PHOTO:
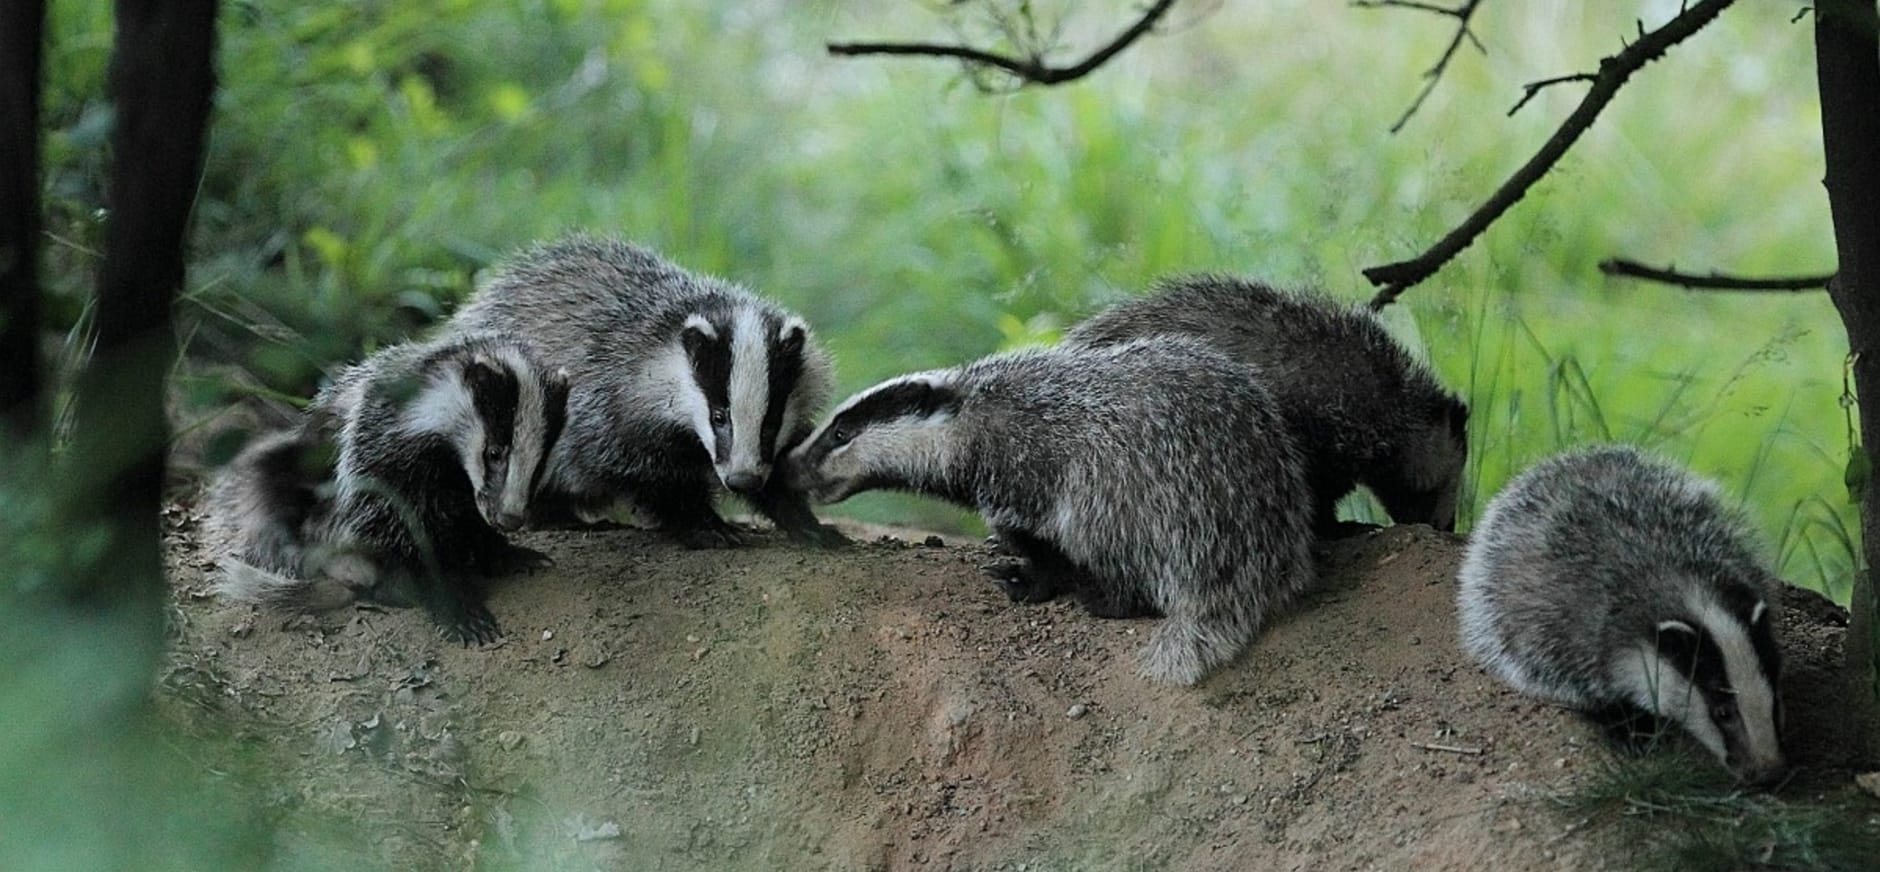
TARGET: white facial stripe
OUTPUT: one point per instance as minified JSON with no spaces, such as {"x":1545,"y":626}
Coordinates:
{"x":749,"y":393}
{"x":1657,"y":685}
{"x":525,"y":446}
{"x":1755,"y":698}
{"x":443,"y":406}
{"x":668,"y":379}
{"x":935,"y":377}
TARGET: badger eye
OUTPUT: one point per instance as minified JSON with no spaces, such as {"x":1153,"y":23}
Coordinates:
{"x":721,"y":416}
{"x":841,"y":435}
{"x":494,"y":454}
{"x":1723,"y":713}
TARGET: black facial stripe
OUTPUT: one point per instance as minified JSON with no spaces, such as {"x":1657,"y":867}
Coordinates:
{"x":905,"y":400}
{"x":494,"y":392}
{"x":555,"y":414}
{"x":1740,"y":600}
{"x":786,"y":368}
{"x":1697,"y":657}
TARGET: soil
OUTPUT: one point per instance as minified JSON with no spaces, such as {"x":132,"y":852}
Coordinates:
{"x":885,"y":707}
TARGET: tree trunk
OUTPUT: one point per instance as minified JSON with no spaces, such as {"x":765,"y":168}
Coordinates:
{"x":1847,"y":65}
{"x":21,"y":22}
{"x":161,"y":81}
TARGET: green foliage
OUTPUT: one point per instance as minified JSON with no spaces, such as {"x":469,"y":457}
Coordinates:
{"x":368,"y":159}
{"x":1682,"y":812}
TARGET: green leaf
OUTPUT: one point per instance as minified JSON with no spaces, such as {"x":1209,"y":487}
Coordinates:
{"x":1859,"y":470}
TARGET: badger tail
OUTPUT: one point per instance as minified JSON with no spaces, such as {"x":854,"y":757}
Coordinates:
{"x":245,"y":582}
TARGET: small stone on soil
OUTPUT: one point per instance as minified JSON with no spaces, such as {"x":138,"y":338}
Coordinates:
{"x":1076,"y":711}
{"x":509,"y":739}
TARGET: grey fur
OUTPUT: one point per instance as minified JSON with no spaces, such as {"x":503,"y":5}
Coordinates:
{"x":1361,"y":408}
{"x":616,"y":316}
{"x":1590,"y":573}
{"x":395,"y":483}
{"x":1150,"y":477}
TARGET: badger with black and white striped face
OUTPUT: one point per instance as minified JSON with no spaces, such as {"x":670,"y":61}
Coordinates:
{"x":1619,"y":585}
{"x":1151,"y":477}
{"x":681,"y":382}
{"x":1361,"y":408}
{"x":401,"y":481}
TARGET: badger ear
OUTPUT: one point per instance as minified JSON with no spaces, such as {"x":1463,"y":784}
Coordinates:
{"x":558,"y":385}
{"x":792,"y":335}
{"x":481,"y":375}
{"x":696,"y":334}
{"x":1678,"y":643}
{"x":1458,"y":414}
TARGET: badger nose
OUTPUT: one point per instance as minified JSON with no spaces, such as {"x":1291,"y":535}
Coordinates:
{"x":744,"y":482}
{"x":1764,"y":776}
{"x":509,"y":522}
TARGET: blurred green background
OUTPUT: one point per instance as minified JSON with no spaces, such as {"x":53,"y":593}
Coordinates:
{"x":369,"y":158}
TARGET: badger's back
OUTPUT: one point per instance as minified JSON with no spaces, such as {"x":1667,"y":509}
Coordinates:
{"x":1314,"y":350}
{"x":1577,"y":560}
{"x":1162,"y":465}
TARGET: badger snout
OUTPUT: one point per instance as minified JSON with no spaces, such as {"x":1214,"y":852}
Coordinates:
{"x":745,"y":482}
{"x":509,"y":522}
{"x":1758,"y":773}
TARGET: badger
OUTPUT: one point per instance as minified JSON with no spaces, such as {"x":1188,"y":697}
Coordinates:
{"x":680,"y":382}
{"x":1617,"y":584}
{"x":1149,"y":477}
{"x":401,"y":480}
{"x":1360,"y":407}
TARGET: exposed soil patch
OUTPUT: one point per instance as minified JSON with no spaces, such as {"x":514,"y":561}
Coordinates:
{"x":886,"y":708}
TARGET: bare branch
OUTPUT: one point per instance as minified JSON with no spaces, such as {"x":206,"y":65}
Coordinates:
{"x":1533,"y":88}
{"x":1431,"y":76}
{"x":1713,"y":281}
{"x":1028,"y":70}
{"x":1394,"y":278}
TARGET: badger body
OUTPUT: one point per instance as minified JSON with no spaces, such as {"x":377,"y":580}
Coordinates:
{"x":1617,"y":584}
{"x":1148,"y":477}
{"x":399,"y":482}
{"x":681,"y":382}
{"x":1361,"y":409}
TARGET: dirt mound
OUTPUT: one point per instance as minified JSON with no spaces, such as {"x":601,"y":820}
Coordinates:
{"x":884,"y":707}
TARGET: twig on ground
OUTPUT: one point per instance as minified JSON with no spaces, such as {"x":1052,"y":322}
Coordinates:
{"x":1447,"y":749}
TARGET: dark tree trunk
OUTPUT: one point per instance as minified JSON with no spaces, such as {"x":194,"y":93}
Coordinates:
{"x":21,"y":22}
{"x":1847,"y":64}
{"x":161,"y":81}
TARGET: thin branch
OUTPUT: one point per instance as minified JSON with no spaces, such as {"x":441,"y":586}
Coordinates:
{"x":1029,"y":70}
{"x":1713,"y":281}
{"x":1431,"y":76}
{"x":1394,"y":278}
{"x":1533,"y":88}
